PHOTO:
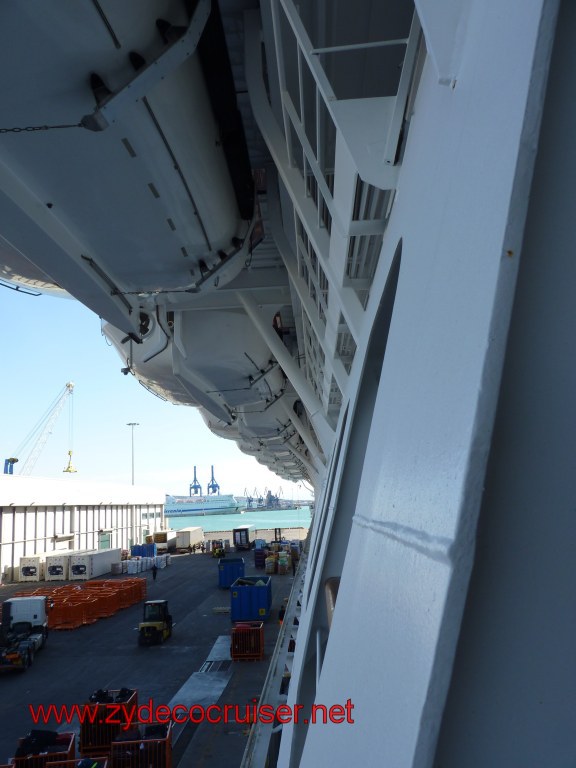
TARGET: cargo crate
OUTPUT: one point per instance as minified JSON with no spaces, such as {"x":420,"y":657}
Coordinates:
{"x":229,"y":569}
{"x":247,"y":641}
{"x":40,"y":747}
{"x":149,"y":745}
{"x":97,"y":736}
{"x":251,"y":598}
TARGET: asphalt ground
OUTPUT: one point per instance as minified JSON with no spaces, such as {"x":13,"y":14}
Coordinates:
{"x":106,"y":655}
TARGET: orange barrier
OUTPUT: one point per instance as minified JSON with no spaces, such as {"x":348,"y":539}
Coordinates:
{"x":76,"y":604}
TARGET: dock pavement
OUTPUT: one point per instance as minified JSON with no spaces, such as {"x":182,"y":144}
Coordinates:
{"x":192,"y":667}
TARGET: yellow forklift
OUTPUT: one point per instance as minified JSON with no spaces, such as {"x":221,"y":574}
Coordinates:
{"x":218,"y":548}
{"x":156,"y":625}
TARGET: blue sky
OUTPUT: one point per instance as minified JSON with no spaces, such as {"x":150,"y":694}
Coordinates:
{"x":48,"y":341}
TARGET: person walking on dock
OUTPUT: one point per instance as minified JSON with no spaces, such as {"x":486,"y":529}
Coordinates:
{"x":154,"y":571}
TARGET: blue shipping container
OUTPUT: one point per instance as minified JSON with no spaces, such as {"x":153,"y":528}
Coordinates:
{"x":251,"y":599}
{"x":229,"y":569}
{"x":143,"y":550}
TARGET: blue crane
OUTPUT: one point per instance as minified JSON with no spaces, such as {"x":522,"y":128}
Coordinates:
{"x":213,"y":488}
{"x":195,"y":487}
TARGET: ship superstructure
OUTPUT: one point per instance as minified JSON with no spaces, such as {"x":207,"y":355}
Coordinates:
{"x":343,"y":231}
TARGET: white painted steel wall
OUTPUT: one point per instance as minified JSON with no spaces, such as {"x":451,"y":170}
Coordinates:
{"x":40,"y":515}
{"x":459,"y":213}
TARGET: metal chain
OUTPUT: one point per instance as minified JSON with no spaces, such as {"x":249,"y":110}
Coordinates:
{"x":30,"y":128}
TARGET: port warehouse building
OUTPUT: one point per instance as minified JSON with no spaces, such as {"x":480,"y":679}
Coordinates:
{"x":42,"y":515}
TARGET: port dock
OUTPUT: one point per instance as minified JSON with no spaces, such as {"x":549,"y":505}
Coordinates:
{"x":192,"y":667}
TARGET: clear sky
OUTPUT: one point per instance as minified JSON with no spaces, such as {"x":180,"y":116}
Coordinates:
{"x":48,"y":341}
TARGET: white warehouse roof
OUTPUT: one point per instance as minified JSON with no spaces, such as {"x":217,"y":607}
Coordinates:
{"x":42,"y":491}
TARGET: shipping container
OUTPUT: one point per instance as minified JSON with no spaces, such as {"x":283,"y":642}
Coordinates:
{"x":57,"y":566}
{"x":189,"y":537}
{"x":79,"y":565}
{"x":229,"y":569}
{"x":144,"y":550}
{"x":33,"y":567}
{"x":88,"y":565}
{"x":251,"y":598}
{"x":244,"y":537}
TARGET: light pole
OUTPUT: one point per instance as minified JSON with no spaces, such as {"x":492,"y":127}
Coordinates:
{"x":132,"y":424}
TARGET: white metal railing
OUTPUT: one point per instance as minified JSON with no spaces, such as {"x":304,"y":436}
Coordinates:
{"x":325,"y":98}
{"x":256,"y":751}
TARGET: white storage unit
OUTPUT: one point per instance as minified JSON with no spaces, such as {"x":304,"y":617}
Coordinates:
{"x":32,"y":568}
{"x":94,"y":563}
{"x":80,"y":565}
{"x":57,"y":566}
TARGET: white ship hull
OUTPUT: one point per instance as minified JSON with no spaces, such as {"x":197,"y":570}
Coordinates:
{"x":388,"y":314}
{"x":180,"y":506}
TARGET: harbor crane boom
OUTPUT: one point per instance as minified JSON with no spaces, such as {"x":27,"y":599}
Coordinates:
{"x":43,"y":430}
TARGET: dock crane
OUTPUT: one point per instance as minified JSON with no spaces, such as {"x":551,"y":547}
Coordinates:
{"x":195,"y":487}
{"x":213,"y":488}
{"x":41,"y":432}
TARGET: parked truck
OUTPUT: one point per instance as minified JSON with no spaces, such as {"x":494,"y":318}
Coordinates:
{"x":165,"y":541}
{"x":244,"y":537}
{"x":189,"y":538}
{"x":23,"y":631}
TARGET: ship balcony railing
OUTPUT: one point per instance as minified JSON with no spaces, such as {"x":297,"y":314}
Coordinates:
{"x":313,"y":115}
{"x":274,"y":690}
